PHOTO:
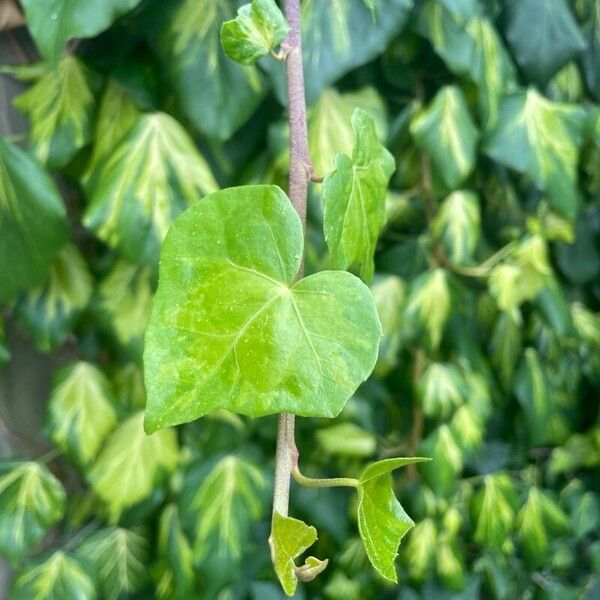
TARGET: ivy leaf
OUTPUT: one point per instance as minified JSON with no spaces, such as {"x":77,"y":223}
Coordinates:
{"x":429,"y":303}
{"x":59,"y":577}
{"x":80,"y":411}
{"x":330,"y":129}
{"x":123,"y":303}
{"x":457,"y":226}
{"x":33,"y":223}
{"x":60,"y":108}
{"x":446,"y":460}
{"x":541,"y":139}
{"x":532,"y":389}
{"x":52,"y":23}
{"x":215,"y":93}
{"x":506,"y":345}
{"x":216,"y":337}
{"x":493,"y":509}
{"x":354,"y":199}
{"x":289,"y":538}
{"x":328,"y":30}
{"x":152,"y":176}
{"x":347,"y":439}
{"x":591,"y":54}
{"x":50,"y":310}
{"x":543,"y":50}
{"x":223,"y":500}
{"x":131,"y":463}
{"x":32,"y":500}
{"x":441,"y":389}
{"x":447,"y":133}
{"x":382,"y":522}
{"x":118,"y":557}
{"x":420,"y":548}
{"x":257,"y":30}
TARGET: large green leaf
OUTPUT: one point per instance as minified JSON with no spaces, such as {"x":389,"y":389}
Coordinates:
{"x":59,"y":577}
{"x":50,"y":310}
{"x":329,"y":30}
{"x":33,"y":224}
{"x":60,"y":108}
{"x":32,"y":500}
{"x":149,"y":178}
{"x":541,"y":139}
{"x":354,"y":199}
{"x":543,"y":50}
{"x":230,"y":330}
{"x":445,"y":130}
{"x":132,"y":463}
{"x":257,"y":30}
{"x":118,"y":558}
{"x":224,"y":499}
{"x":289,"y":538}
{"x":471,"y":47}
{"x":382,"y":522}
{"x":457,"y":226}
{"x":53,"y":23}
{"x":217,"y":94}
{"x":80,"y":411}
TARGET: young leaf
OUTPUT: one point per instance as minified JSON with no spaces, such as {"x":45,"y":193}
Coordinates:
{"x":257,"y":30}
{"x":32,"y":500}
{"x":131,"y":463}
{"x":289,"y":538}
{"x":59,"y":577}
{"x":328,"y":32}
{"x":457,"y":226}
{"x":217,"y":94}
{"x":50,"y":310}
{"x":80,"y":411}
{"x":53,"y":23}
{"x":447,"y":133}
{"x":354,"y":199}
{"x":229,"y":329}
{"x":60,"y":108}
{"x":441,"y":389}
{"x":223,"y":500}
{"x":541,"y":139}
{"x":543,"y":50}
{"x":330,"y":129}
{"x":153,"y":175}
{"x":382,"y":522}
{"x":33,"y":223}
{"x":118,"y":558}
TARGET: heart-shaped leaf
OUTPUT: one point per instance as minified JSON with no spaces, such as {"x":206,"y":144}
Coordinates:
{"x":382,"y":522}
{"x":257,"y":30}
{"x":229,"y":328}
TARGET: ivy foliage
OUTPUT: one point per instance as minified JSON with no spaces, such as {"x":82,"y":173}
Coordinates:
{"x":479,"y":239}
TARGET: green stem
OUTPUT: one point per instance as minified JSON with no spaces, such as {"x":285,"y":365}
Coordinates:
{"x":324,"y":483}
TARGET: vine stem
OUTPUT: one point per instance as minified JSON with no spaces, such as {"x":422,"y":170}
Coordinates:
{"x":286,"y":455}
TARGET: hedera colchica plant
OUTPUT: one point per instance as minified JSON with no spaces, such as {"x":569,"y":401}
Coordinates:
{"x":449,"y":155}
{"x":236,"y":326}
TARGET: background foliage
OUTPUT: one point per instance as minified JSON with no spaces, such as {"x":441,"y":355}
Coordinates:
{"x":487,"y":283}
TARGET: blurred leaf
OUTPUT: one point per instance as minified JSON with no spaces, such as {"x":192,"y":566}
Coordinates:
{"x":542,"y":50}
{"x":347,"y":439}
{"x":506,"y":345}
{"x":441,"y":389}
{"x":354,"y":199}
{"x":420,"y":549}
{"x":237,"y":287}
{"x":450,"y":567}
{"x":540,"y":139}
{"x":33,"y":224}
{"x":59,"y":577}
{"x":54,"y":23}
{"x":382,"y":522}
{"x":258,"y":29}
{"x":446,"y":132}
{"x":118,"y":558}
{"x":457,"y":226}
{"x":32,"y":500}
{"x":4,"y":351}
{"x":50,"y":310}
{"x":591,"y":53}
{"x":153,"y":174}
{"x":446,"y":460}
{"x":131,"y":464}
{"x":60,"y":108}
{"x":80,"y":411}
